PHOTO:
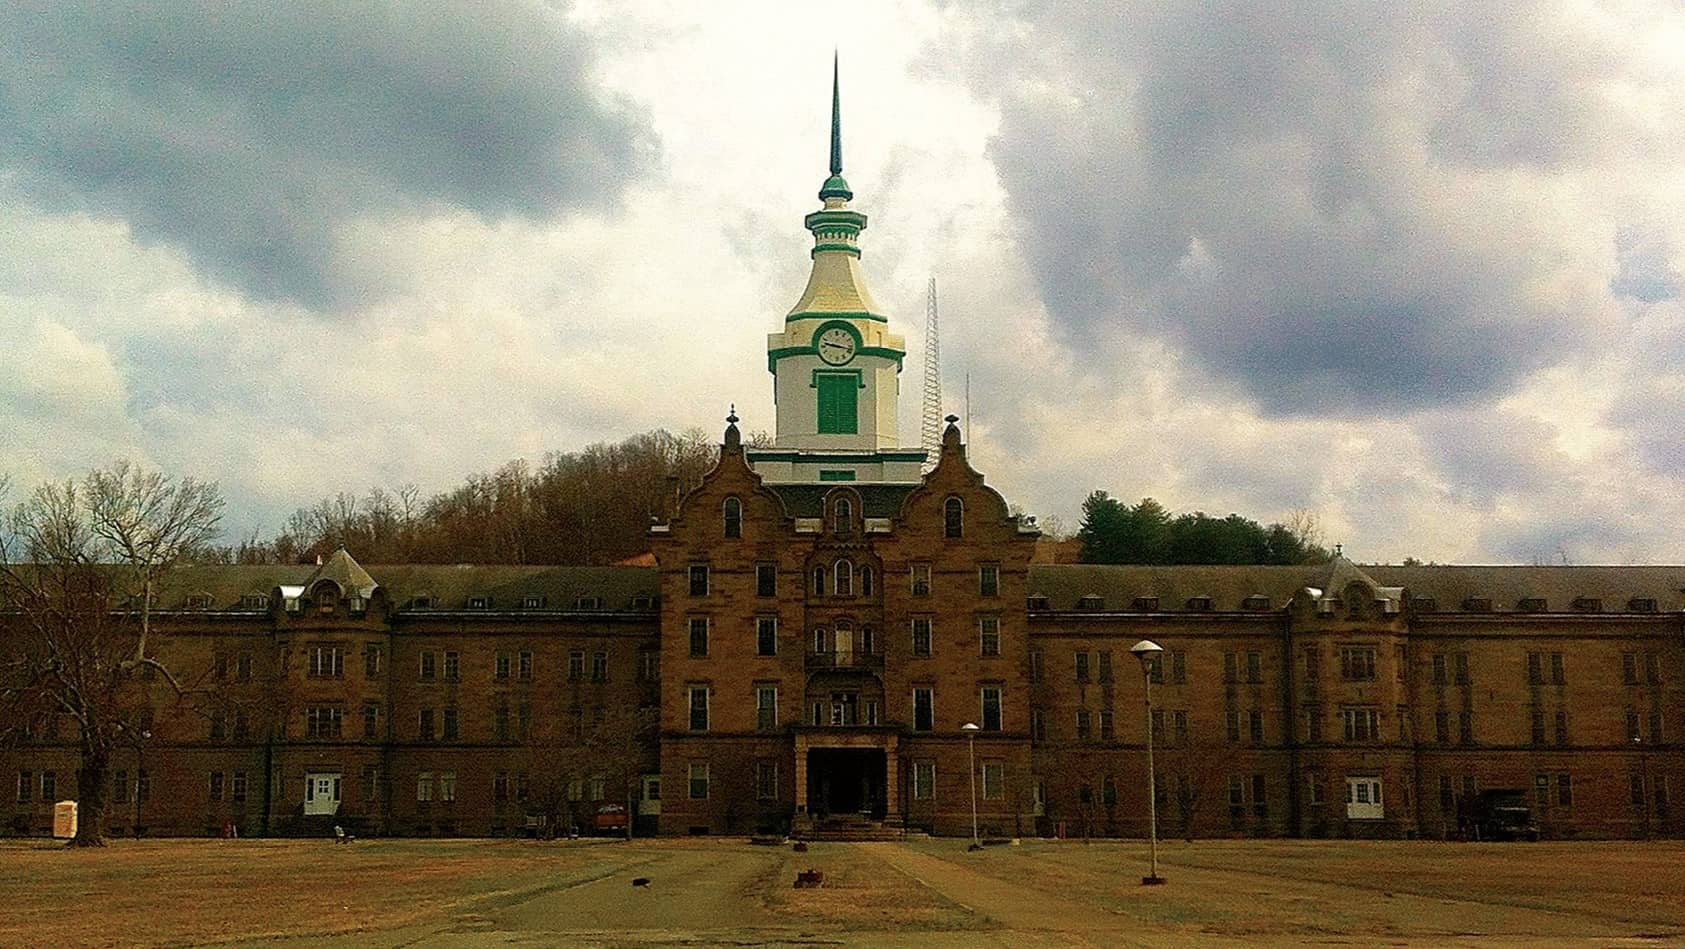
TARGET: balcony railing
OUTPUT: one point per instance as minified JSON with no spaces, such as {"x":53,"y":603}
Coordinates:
{"x":821,"y":661}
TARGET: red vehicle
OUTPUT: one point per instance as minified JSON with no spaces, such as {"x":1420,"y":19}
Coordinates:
{"x":610,"y":817}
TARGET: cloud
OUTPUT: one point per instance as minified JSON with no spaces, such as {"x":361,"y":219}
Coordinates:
{"x":249,"y":135}
{"x":1347,"y":209}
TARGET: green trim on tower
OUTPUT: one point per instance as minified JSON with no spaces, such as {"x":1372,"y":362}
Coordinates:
{"x":862,"y":457}
{"x":845,"y":248}
{"x":836,"y":315}
{"x":773,"y":355}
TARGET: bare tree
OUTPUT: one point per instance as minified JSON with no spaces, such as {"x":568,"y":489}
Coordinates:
{"x":80,"y":566}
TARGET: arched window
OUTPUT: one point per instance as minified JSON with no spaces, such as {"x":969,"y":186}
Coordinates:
{"x":865,"y":579}
{"x":953,"y":517}
{"x":327,"y":596}
{"x":844,"y":516}
{"x":818,"y":639}
{"x":866,"y":643}
{"x":818,"y":581}
{"x":733,"y":517}
{"x":845,"y":578}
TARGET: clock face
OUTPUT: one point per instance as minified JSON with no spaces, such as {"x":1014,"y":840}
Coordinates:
{"x":836,"y":346}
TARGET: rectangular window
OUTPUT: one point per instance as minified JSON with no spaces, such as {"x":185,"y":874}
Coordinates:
{"x":374,"y":659}
{"x":1313,"y":723}
{"x":994,"y":780}
{"x":1260,"y":798}
{"x":1635,"y":781}
{"x":1233,"y":723}
{"x":838,"y":396}
{"x":699,"y":780}
{"x":500,"y":722}
{"x":698,"y":579}
{"x":649,"y":665}
{"x":924,"y":716}
{"x":322,"y":721}
{"x":371,"y":721}
{"x":428,"y":667}
{"x":698,"y":708}
{"x":447,"y":786}
{"x":1035,"y":665}
{"x":500,"y":786}
{"x":599,"y":667}
{"x":216,"y":785}
{"x":1653,"y":668}
{"x":988,"y":635}
{"x":766,"y":635}
{"x":1538,"y":722}
{"x":448,"y":725}
{"x":991,"y":697}
{"x":766,"y":707}
{"x":326,"y":662}
{"x":924,"y":780}
{"x":237,"y":787}
{"x":1107,"y":733}
{"x":1535,"y":668}
{"x":523,"y":722}
{"x":453,"y":666}
{"x":699,"y":637}
{"x":1104,"y":659}
{"x":1629,"y":668}
{"x":424,"y":787}
{"x":1465,"y":727}
{"x":1442,"y":727}
{"x":1357,"y":663}
{"x":1038,"y":724}
{"x":1082,"y":666}
{"x":1460,"y":665}
{"x":1655,"y":726}
{"x":503,"y":666}
{"x":766,"y":780}
{"x":1255,"y":667}
{"x":921,"y":635}
{"x":920,"y":574}
{"x":766,"y":579}
{"x":1231,"y":667}
{"x":1440,"y":676}
{"x":1361,"y":724}
{"x":1557,"y":674}
{"x":1561,"y":727}
{"x":576,"y":665}
{"x":26,"y":787}
{"x":1179,"y":725}
{"x":1178,"y":667}
{"x":1083,"y":727}
{"x":524,"y":665}
{"x":1565,"y":789}
{"x":1632,"y":730}
{"x":1255,"y":726}
{"x":988,"y":579}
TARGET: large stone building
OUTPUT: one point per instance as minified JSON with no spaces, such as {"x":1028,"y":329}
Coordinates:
{"x":825,"y":620}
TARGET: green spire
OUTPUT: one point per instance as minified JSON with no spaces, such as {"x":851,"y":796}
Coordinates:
{"x":835,"y":186}
{"x":836,"y":117}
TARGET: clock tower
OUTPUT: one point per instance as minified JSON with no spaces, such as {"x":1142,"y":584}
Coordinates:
{"x":835,"y":365}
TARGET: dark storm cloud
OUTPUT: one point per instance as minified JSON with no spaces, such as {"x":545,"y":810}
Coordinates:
{"x":245,"y":134}
{"x":1318,"y":200}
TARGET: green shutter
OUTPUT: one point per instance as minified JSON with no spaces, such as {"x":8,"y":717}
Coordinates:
{"x":839,"y":404}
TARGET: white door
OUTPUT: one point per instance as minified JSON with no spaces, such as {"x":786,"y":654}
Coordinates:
{"x":321,"y":793}
{"x":649,"y":802}
{"x":1363,"y":799}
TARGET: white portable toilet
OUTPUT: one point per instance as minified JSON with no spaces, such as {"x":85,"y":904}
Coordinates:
{"x":64,"y":820}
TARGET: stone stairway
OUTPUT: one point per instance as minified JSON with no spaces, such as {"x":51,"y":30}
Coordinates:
{"x":851,"y":827}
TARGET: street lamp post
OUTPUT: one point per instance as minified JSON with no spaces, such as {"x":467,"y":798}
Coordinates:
{"x":971,"y":730}
{"x":1148,"y":652}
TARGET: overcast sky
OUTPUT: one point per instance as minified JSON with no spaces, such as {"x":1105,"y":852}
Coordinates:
{"x":1416,"y":269}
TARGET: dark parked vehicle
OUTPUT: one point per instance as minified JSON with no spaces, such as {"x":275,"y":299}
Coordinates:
{"x":1501,"y":815}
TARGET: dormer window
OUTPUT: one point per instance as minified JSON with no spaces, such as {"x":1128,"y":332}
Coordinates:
{"x":1035,"y":602}
{"x":1199,"y":603}
{"x":422,"y":603}
{"x":733,"y":516}
{"x":953,"y":518}
{"x":292,"y":604}
{"x":327,"y":597}
{"x":844,"y":516}
{"x":533,"y":601}
{"x":356,"y":604}
{"x":1531,"y":604}
{"x":1423,"y":604}
{"x":1588,"y":604}
{"x":1146,"y":604}
{"x":1641,"y":604}
{"x":479,"y":602}
{"x":643,"y":601}
{"x":1256,"y":601}
{"x":254,"y":601}
{"x":579,"y":603}
{"x":1478,"y":604}
{"x":1091,"y":601}
{"x":199,"y":601}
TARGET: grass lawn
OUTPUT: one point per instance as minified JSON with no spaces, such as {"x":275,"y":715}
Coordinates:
{"x":482,"y":892}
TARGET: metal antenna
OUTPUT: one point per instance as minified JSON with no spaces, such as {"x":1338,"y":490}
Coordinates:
{"x":930,"y":431}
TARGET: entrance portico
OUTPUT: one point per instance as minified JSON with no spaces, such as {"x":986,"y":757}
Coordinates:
{"x":853,"y":770}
